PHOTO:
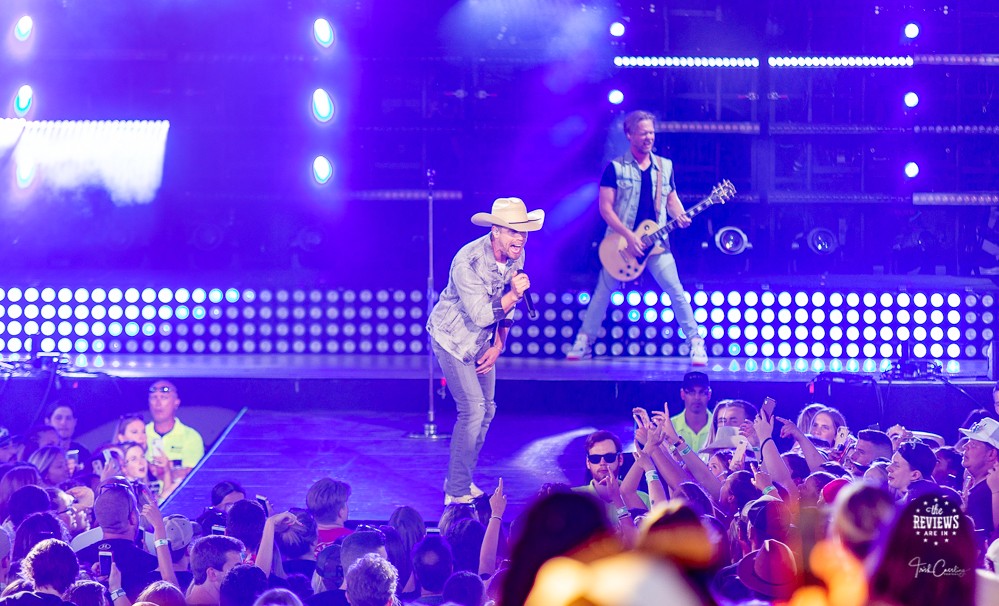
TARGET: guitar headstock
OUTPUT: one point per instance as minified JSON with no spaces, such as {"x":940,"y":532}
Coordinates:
{"x":722,"y":192}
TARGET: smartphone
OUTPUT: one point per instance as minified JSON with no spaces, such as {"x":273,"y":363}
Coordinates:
{"x":769,"y":404}
{"x":157,"y":447}
{"x":842,"y":434}
{"x":108,"y":456}
{"x":263,"y":503}
{"x":104,"y":559}
{"x":217,"y":529}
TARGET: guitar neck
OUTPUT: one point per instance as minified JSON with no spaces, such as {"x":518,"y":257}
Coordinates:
{"x":660,"y":234}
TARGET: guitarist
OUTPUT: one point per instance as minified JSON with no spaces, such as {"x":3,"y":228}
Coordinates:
{"x":636,"y":186}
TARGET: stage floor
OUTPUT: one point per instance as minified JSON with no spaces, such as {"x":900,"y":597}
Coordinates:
{"x":410,"y":367}
{"x":280,"y":454}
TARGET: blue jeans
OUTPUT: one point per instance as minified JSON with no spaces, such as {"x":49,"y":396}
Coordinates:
{"x":474,"y":397}
{"x":663,"y":269}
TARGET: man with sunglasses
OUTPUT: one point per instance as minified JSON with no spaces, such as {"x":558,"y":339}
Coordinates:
{"x":603,"y":462}
{"x":167,"y":436}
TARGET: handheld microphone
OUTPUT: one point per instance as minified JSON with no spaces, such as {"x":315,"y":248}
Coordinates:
{"x":531,"y":312}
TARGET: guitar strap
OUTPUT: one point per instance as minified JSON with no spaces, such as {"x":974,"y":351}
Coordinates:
{"x":657,"y":194}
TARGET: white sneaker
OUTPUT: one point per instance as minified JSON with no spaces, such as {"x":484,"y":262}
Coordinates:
{"x":581,"y":349}
{"x":474,"y":490}
{"x":465,"y":500}
{"x":698,"y":353}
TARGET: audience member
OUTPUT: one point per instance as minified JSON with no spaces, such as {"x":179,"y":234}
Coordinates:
{"x":130,"y":428}
{"x":911,"y":465}
{"x":61,"y":416}
{"x":464,"y":588}
{"x":51,"y":464}
{"x":432,"y":565}
{"x":371,"y":581}
{"x":51,"y":568}
{"x":980,"y":456}
{"x":10,"y":447}
{"x":871,"y":444}
{"x":162,"y":593}
{"x":692,"y":422}
{"x":225,"y":493}
{"x":87,"y":593}
{"x":212,"y":557}
{"x":354,"y":546}
{"x":297,"y":543}
{"x":35,"y":528}
{"x":166,"y":436}
{"x":327,"y":502}
{"x":242,"y":585}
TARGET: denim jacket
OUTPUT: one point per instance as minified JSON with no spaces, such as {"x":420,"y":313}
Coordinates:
{"x":464,"y":320}
{"x":629,"y":188}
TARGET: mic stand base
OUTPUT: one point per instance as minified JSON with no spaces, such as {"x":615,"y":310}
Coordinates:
{"x":429,"y":433}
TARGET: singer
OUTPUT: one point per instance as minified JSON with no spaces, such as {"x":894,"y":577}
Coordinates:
{"x":468,"y":327}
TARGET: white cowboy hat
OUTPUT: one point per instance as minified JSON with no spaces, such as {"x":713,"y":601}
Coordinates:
{"x":511,"y":213}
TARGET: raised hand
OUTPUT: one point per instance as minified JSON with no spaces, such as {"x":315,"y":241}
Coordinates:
{"x":789,"y":429}
{"x":497,"y":502}
{"x":608,"y":489}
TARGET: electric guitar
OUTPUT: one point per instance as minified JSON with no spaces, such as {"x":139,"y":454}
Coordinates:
{"x":624,"y":266}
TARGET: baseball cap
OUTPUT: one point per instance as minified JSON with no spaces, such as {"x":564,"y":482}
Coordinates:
{"x":986,"y":430}
{"x":180,"y":531}
{"x":695,"y":379}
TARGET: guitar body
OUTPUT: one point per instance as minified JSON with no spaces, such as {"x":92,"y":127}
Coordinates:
{"x":621,"y":264}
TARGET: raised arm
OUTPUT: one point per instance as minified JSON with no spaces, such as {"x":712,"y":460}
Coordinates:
{"x":773,"y":463}
{"x":490,"y":542}
{"x":812,"y":455}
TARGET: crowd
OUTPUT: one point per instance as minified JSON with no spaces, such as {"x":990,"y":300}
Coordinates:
{"x":733,"y":503}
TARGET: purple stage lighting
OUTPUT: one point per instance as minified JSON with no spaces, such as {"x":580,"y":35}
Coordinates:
{"x":911,"y":99}
{"x":617,"y":29}
{"x":616,"y":97}
{"x":911,"y":169}
{"x":911,"y":30}
{"x":323,"y":33}
{"x":322,"y":170}
{"x":23,"y":100}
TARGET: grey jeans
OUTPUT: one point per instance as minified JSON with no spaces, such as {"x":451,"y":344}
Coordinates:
{"x":474,"y":397}
{"x":663,"y":269}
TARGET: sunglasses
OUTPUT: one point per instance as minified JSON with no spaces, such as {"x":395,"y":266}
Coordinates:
{"x":595,"y":459}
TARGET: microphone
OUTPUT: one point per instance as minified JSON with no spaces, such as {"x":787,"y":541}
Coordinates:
{"x":531,"y":312}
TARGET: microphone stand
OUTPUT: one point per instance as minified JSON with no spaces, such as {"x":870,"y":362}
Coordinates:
{"x":430,"y":427}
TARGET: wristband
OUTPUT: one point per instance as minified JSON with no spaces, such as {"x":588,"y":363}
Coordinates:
{"x":117,"y":593}
{"x":769,"y":489}
{"x":686,"y":450}
{"x":651,"y":474}
{"x":765,"y":443}
{"x":161,"y":543}
{"x":496,"y":518}
{"x":622,"y":512}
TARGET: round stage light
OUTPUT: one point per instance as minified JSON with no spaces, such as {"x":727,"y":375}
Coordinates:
{"x":911,"y":30}
{"x":25,"y":173}
{"x":822,"y":241}
{"x":323,"y":33}
{"x":616,"y":97}
{"x":731,"y":240}
{"x":911,"y":99}
{"x":322,"y":105}
{"x":23,"y":100}
{"x":322,"y":170}
{"x":617,"y":29}
{"x":23,"y":28}
{"x":911,"y":169}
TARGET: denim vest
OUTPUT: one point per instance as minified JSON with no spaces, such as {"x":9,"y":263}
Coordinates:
{"x":629,"y":189}
{"x":463,"y":322}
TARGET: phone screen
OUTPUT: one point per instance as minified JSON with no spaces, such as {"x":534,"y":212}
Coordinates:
{"x":769,"y":404}
{"x":104,"y":559}
{"x":216,"y":529}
